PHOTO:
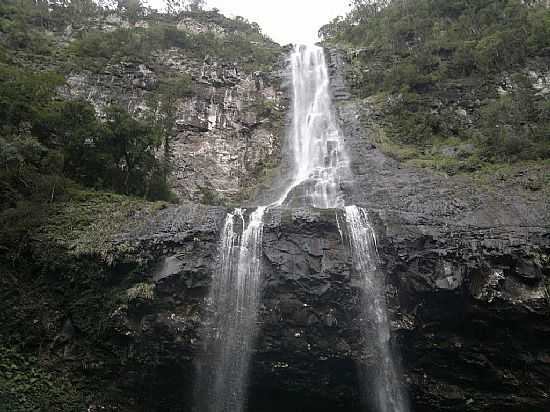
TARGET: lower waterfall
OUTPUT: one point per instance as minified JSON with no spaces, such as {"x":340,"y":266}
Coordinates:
{"x":319,"y":167}
{"x":234,"y":296}
{"x":387,"y":393}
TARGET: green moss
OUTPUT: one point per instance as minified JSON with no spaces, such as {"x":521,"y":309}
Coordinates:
{"x":402,"y":153}
{"x":141,"y":292}
{"x":90,"y":221}
{"x":27,"y":384}
{"x":211,"y":197}
{"x":533,"y":176}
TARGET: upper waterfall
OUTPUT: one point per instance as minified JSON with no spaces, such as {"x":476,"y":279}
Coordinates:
{"x":319,"y":162}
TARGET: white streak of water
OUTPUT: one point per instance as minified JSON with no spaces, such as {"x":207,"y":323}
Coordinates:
{"x":388,"y":394}
{"x":319,"y":165}
{"x":235,"y":296}
{"x":318,"y":158}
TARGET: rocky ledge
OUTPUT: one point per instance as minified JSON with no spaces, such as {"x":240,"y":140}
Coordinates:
{"x":469,"y":316}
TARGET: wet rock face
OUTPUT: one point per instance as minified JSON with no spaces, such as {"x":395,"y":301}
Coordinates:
{"x":309,"y":343}
{"x":467,"y":285}
{"x":228,"y":131}
{"x":310,"y":318}
{"x":470,"y":317}
{"x":467,"y":320}
{"x":468,"y":275}
{"x":469,"y":314}
{"x":225,"y":138}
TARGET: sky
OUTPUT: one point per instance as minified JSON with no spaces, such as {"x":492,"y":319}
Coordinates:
{"x":285,"y":21}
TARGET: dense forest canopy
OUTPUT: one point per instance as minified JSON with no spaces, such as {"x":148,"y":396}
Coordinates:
{"x":429,"y":53}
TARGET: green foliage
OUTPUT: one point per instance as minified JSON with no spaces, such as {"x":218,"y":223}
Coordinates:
{"x":137,"y":44}
{"x":210,"y":197}
{"x":87,"y":224}
{"x":23,"y":25}
{"x":23,"y":95}
{"x":428,"y":55}
{"x":176,"y":87}
{"x":46,"y":141}
{"x":94,"y":49}
{"x":432,"y":35}
{"x":26,"y":385}
{"x":29,"y":169}
{"x":515,"y":126}
{"x":141,"y":292}
{"x":130,"y":148}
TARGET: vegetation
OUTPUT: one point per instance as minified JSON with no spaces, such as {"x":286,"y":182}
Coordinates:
{"x":428,"y":61}
{"x":96,"y":48}
{"x":25,"y":385}
{"x":48,"y":144}
{"x":75,"y":174}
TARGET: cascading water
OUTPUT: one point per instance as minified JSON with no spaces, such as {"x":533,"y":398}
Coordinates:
{"x":387,"y":394}
{"x":318,"y":161}
{"x":235,"y":296}
{"x":319,"y":167}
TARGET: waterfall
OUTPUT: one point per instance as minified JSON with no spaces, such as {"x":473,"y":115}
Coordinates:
{"x":319,"y":168}
{"x":234,"y":296}
{"x":320,"y":165}
{"x":315,"y":143}
{"x":387,"y":393}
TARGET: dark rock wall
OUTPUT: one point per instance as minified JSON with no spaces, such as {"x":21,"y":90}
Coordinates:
{"x":467,"y":272}
{"x":469,"y":310}
{"x":468,"y":275}
{"x":469,"y":313}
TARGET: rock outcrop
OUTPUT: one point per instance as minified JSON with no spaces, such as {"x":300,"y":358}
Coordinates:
{"x":468,"y":266}
{"x":469,"y":312}
{"x":228,"y":129}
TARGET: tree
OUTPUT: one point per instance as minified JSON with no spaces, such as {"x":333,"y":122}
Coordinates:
{"x":163,"y":115}
{"x":175,"y":7}
{"x":130,"y":145}
{"x":196,"y":5}
{"x":133,"y":9}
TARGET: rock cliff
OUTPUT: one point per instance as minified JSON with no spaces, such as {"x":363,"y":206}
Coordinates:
{"x":228,"y":127}
{"x":117,"y":308}
{"x":461,"y":258}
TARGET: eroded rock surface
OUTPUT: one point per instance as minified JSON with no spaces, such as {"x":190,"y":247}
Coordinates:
{"x":469,"y":312}
{"x":229,"y":128}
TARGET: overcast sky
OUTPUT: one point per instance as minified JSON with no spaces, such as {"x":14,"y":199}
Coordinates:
{"x":285,"y":21}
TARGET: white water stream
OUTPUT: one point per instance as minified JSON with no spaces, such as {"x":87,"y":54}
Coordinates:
{"x":319,"y":166}
{"x":318,"y":157}
{"x":234,"y":297}
{"x":387,"y":395}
